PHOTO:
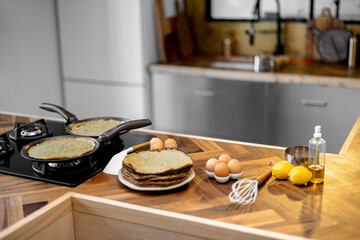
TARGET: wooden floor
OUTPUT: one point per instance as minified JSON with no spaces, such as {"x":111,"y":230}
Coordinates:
{"x":326,"y":211}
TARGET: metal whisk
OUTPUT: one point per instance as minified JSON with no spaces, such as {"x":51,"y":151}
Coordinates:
{"x":245,"y":191}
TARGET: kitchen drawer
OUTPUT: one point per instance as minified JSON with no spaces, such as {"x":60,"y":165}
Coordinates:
{"x":294,"y":110}
{"x":93,"y":100}
{"x":208,"y":107}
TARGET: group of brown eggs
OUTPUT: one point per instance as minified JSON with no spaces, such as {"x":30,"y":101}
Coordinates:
{"x":223,"y":168}
{"x":156,"y":144}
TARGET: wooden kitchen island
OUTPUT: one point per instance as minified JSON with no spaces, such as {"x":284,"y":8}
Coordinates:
{"x":326,"y":211}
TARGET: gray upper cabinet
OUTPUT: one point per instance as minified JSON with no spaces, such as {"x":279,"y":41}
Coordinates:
{"x":30,"y":69}
{"x":294,"y":110}
{"x":208,"y":107}
{"x":104,"y":56}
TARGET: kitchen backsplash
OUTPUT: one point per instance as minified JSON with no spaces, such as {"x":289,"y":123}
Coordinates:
{"x":210,"y":34}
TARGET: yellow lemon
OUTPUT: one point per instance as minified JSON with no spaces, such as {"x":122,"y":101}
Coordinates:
{"x":281,"y":169}
{"x":300,"y":175}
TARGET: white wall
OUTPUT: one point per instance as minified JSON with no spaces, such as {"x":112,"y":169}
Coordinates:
{"x":29,"y":60}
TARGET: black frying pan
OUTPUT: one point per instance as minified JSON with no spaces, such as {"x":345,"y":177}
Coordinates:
{"x":102,"y":139}
{"x":71,"y":119}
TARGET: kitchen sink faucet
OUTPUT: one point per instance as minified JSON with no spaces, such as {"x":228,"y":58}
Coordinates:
{"x":251,"y":32}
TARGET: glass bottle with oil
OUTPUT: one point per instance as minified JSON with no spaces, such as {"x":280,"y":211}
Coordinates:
{"x":316,"y":162}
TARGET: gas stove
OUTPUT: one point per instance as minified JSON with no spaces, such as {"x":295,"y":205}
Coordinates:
{"x":68,"y":174}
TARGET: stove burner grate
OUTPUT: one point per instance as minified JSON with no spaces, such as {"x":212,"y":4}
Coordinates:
{"x":65,"y":164}
{"x":58,"y":168}
{"x":30,"y":131}
{"x":5,"y":146}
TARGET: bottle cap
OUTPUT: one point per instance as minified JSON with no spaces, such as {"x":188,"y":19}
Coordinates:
{"x":317,"y":133}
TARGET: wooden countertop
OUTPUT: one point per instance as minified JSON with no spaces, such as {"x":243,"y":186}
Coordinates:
{"x":326,"y":211}
{"x":318,"y":73}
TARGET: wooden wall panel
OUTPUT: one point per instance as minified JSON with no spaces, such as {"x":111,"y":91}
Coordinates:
{"x":11,"y":208}
{"x":40,"y":220}
{"x":61,"y":229}
{"x":107,"y":228}
{"x":112,"y":219}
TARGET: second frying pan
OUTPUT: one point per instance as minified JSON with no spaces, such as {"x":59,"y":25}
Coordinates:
{"x":332,"y":44}
{"x":72,"y":120}
{"x":73,"y":143}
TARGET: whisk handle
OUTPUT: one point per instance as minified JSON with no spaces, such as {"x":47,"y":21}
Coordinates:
{"x":263,"y":176}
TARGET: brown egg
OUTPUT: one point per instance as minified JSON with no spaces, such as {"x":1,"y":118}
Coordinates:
{"x":170,"y":143}
{"x":235,"y":166}
{"x":210,"y":164}
{"x":224,"y":158}
{"x":221,"y":170}
{"x":156,"y":144}
{"x":155,"y":139}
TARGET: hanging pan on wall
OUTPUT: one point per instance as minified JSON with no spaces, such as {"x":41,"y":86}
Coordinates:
{"x":332,"y":44}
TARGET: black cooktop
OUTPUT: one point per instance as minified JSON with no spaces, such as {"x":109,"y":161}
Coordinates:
{"x":70,"y":174}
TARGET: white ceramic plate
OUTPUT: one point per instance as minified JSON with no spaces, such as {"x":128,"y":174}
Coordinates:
{"x":138,"y":188}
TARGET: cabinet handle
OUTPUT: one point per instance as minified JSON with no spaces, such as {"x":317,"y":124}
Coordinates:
{"x":317,"y":103}
{"x":205,"y":93}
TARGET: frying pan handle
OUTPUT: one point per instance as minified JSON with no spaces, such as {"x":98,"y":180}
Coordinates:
{"x":314,"y":30}
{"x":69,"y":117}
{"x":108,"y":135}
